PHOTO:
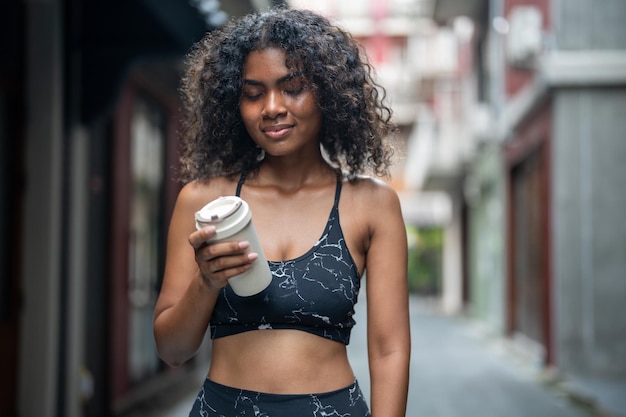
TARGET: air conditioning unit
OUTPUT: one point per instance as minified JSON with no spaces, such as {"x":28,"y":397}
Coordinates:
{"x":525,"y":38}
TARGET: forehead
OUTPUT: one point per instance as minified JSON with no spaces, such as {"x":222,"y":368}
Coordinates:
{"x":266,"y":63}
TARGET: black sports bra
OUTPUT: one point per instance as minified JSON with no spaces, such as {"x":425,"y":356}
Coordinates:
{"x":315,"y":292}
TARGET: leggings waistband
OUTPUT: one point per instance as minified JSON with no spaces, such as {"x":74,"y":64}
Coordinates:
{"x":215,"y":399}
{"x":238,"y":391}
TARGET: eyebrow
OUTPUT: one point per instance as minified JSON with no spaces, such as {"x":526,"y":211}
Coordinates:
{"x":281,"y":80}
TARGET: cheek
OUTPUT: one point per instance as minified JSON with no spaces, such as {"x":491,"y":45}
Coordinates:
{"x":315,"y":117}
{"x":308,"y":108}
{"x":248,"y":115}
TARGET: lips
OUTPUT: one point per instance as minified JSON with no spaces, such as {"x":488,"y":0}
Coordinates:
{"x":277,"y":131}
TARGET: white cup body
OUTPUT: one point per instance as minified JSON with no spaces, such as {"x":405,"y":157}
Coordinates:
{"x":233,"y":222}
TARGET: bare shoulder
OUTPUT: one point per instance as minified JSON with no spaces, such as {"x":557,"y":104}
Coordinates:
{"x":372,"y":193}
{"x":197,"y":193}
{"x":373,"y":223}
{"x":371,"y":206}
{"x":191,"y":198}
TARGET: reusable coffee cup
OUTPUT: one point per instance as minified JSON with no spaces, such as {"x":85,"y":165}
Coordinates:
{"x":232,"y":219}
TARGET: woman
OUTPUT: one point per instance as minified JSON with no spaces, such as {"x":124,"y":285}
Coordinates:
{"x":281,"y":109}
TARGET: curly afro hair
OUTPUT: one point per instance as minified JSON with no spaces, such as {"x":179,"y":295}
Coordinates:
{"x":355,"y":124}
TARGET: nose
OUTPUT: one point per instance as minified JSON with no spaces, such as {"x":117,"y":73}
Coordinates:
{"x":274,"y":105}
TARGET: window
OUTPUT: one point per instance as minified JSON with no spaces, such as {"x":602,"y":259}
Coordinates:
{"x":147,"y":142}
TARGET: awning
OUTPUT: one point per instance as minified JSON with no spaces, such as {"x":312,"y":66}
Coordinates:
{"x":446,"y":10}
{"x":106,"y":38}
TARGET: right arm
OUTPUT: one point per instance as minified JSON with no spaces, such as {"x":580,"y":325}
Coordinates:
{"x":194,"y":274}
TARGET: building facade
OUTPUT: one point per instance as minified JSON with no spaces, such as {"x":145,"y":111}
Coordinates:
{"x":545,"y":240}
{"x":89,"y":110}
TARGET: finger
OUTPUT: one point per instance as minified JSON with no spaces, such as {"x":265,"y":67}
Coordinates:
{"x":219,"y":249}
{"x":199,"y":238}
{"x":220,"y":279}
{"x":222,"y":263}
{"x":217,"y":272}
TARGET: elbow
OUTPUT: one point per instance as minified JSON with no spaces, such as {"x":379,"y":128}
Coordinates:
{"x":173,"y":352}
{"x":173,"y":358}
{"x":391,"y":347}
{"x":173,"y":363}
{"x":401,"y":354}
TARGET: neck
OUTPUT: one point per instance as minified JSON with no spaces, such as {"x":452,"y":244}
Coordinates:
{"x":291,"y":173}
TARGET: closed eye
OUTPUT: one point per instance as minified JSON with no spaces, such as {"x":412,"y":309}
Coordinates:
{"x":252,"y":97}
{"x":252,"y":92}
{"x":292,"y":84}
{"x":294,"y":91}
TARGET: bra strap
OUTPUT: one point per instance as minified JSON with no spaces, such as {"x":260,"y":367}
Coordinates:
{"x":338,"y":191}
{"x":242,"y":179}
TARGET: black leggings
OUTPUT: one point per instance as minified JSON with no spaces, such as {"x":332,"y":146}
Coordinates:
{"x":216,"y":400}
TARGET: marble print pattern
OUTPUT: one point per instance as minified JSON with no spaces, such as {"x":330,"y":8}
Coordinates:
{"x":215,"y":400}
{"x":315,"y":292}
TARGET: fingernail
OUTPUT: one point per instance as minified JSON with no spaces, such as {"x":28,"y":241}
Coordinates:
{"x":244,"y":244}
{"x":252,"y":256}
{"x":209,"y":229}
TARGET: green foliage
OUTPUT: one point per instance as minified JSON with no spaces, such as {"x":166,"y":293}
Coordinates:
{"x":424,"y":263}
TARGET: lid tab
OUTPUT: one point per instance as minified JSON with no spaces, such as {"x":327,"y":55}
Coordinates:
{"x":219,"y":210}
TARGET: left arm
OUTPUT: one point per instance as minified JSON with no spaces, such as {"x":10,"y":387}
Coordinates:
{"x":388,"y":331}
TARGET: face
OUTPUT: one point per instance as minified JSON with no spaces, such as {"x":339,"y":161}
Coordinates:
{"x":277,"y":105}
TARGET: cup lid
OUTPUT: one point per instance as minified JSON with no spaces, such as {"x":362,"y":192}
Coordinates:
{"x":218,"y":210}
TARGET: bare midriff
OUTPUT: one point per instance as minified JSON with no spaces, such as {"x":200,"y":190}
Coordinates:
{"x":280,"y":362}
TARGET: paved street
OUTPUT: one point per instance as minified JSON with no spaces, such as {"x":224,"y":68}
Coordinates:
{"x":454,"y":372}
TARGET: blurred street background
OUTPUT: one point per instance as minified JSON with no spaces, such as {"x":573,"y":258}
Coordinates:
{"x":511,"y":160}
{"x":456,"y":370}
